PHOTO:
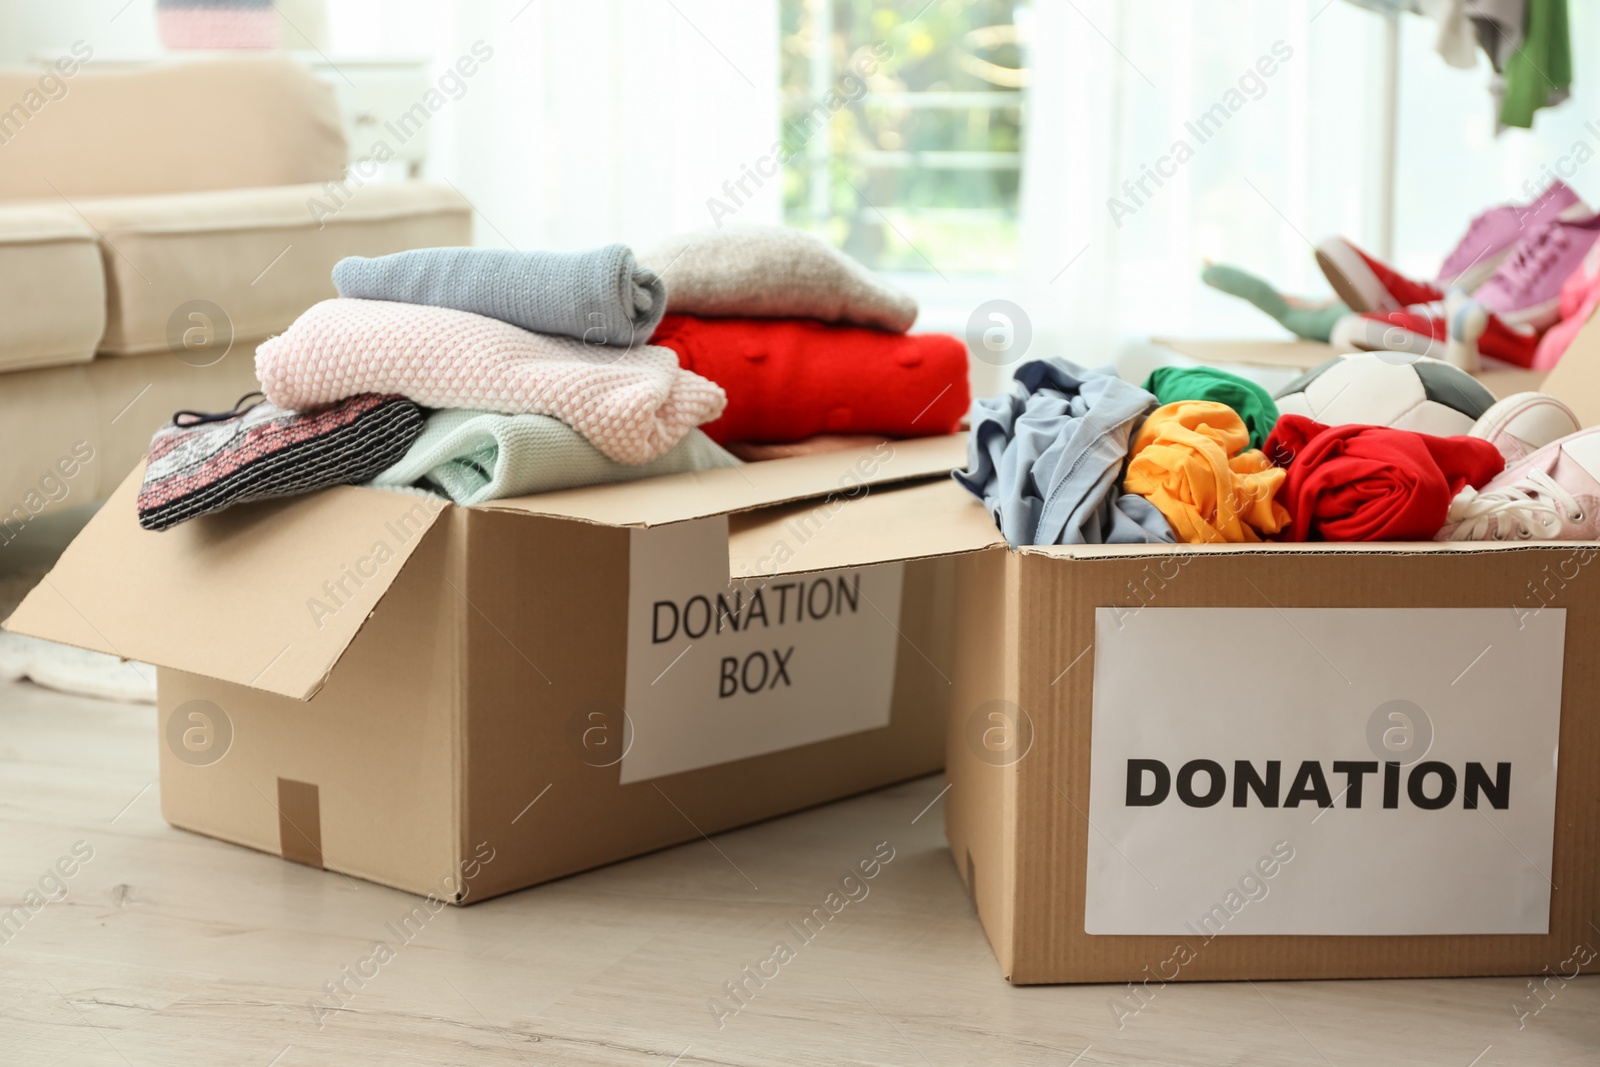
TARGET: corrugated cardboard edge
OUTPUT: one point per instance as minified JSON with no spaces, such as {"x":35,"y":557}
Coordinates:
{"x":982,"y":803}
{"x":1010,"y":854}
{"x":456,"y":568}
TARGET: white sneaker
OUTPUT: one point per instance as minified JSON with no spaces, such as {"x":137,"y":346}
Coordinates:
{"x":1553,"y":494}
{"x":1523,"y":423}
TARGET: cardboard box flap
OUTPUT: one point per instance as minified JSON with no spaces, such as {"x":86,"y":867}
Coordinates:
{"x":1501,"y":379}
{"x":266,"y":595}
{"x":1287,"y":354}
{"x":1576,"y":378}
{"x":879,"y":526}
{"x":695,"y":495}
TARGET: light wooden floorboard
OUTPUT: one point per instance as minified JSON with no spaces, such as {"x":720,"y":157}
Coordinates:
{"x":174,"y":949}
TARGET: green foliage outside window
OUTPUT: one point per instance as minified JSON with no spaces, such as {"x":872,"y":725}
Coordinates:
{"x":904,"y":126}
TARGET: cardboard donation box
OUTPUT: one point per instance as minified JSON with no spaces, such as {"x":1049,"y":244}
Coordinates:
{"x":1269,"y":761}
{"x":1277,"y":761}
{"x":467,"y":701}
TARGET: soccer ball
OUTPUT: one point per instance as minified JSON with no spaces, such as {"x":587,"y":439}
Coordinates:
{"x":1393,"y":389}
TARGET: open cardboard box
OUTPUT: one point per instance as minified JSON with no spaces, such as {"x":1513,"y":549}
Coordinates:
{"x":1076,"y":662}
{"x":431,"y":697}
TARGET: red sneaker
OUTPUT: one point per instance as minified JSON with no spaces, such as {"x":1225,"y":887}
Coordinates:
{"x":1366,"y":284}
{"x":1423,"y":330}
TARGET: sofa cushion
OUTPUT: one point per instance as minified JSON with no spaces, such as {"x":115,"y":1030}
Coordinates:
{"x":70,"y":131}
{"x":188,"y":269}
{"x":54,"y":286}
{"x":72,"y":434}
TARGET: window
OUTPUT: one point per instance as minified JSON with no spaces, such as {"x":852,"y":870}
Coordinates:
{"x":903,"y":130}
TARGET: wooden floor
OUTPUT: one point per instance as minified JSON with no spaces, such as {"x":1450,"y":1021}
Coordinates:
{"x":174,"y":949}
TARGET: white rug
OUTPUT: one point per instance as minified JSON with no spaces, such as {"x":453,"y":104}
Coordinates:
{"x":76,"y":670}
{"x":62,"y":667}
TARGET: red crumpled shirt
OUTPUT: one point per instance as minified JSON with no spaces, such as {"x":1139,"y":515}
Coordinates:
{"x":1373,"y":483}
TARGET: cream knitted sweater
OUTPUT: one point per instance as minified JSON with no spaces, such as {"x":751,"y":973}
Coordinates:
{"x":773,"y":272}
{"x":633,"y":404}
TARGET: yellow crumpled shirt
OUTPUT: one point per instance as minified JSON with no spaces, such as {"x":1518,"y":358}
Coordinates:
{"x":1187,"y":461}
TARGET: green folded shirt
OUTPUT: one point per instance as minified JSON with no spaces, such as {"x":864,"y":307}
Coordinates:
{"x":474,"y":456}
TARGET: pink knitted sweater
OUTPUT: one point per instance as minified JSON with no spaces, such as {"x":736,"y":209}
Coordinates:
{"x":632,"y":404}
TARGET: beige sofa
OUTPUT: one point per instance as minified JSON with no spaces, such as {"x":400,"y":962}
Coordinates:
{"x":154,"y":226}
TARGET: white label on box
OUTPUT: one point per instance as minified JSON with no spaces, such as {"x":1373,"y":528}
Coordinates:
{"x":1323,"y":771}
{"x":721,"y":671}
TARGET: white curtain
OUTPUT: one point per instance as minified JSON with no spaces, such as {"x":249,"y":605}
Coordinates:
{"x":598,"y":121}
{"x":1452,"y":164}
{"x":612,"y":120}
{"x":1162,"y":134}
{"x":1116,"y":82}
{"x":619,"y":119}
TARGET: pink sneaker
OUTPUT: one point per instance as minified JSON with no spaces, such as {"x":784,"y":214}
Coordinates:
{"x":1493,"y":234}
{"x":1523,"y":423}
{"x":1580,"y":297}
{"x":1554,"y":494}
{"x":1526,"y":290}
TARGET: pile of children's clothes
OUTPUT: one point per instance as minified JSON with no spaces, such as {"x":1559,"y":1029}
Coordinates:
{"x":480,"y":374}
{"x":1198,"y":455}
{"x":1516,"y":288}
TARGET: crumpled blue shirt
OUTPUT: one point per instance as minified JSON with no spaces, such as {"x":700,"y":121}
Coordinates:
{"x":1046,"y":458}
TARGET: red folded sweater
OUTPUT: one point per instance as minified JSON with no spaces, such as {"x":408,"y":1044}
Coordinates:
{"x":1373,"y":483}
{"x":790,"y":379}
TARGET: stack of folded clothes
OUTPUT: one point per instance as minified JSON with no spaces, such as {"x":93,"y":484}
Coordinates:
{"x":1201,"y":456}
{"x":535,"y":364}
{"x":808,"y":345}
{"x":479,"y":374}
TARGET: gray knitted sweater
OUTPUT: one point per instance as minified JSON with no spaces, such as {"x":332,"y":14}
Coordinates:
{"x":602,"y":296}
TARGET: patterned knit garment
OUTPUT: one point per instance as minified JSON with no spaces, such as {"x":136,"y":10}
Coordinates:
{"x":198,"y":467}
{"x":633,"y":404}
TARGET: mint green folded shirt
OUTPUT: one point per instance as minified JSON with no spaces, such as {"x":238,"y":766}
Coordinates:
{"x":474,"y":456}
